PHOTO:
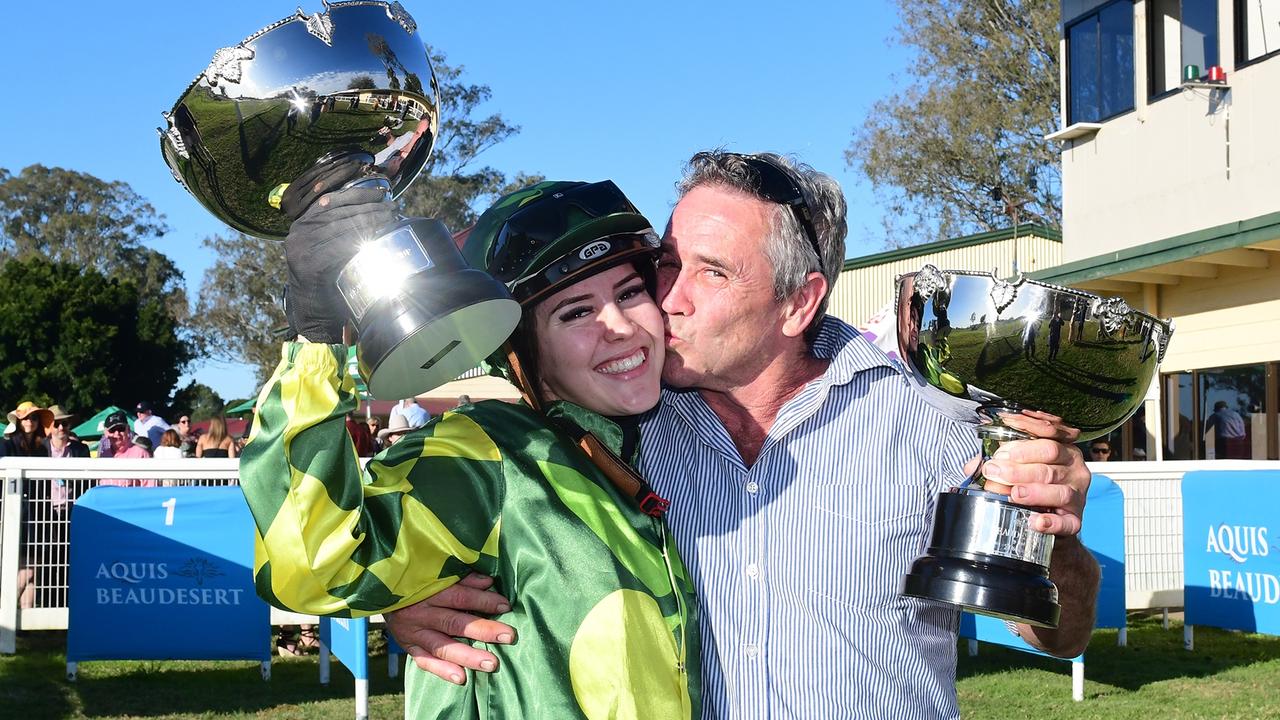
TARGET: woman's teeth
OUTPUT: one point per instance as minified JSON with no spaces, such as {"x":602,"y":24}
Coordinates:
{"x":623,"y":365}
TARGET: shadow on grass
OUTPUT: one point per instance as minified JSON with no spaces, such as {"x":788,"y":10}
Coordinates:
{"x":1153,"y":655}
{"x":33,"y":685}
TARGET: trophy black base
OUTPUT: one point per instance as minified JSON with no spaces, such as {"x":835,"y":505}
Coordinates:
{"x":984,"y":557}
{"x":985,"y":588}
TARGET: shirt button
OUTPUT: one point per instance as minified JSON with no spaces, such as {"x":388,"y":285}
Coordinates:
{"x":753,"y":570}
{"x":752,"y":650}
{"x":753,"y":487}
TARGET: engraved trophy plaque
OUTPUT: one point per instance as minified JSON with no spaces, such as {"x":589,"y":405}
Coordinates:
{"x":348,"y":87}
{"x":980,"y":347}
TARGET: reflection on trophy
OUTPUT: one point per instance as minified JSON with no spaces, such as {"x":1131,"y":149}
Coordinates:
{"x":980,"y":348}
{"x":350,"y":88}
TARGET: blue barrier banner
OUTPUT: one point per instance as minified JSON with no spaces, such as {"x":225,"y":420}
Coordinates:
{"x":1231,"y":555}
{"x":164,"y":574}
{"x":1103,"y":535}
{"x":348,"y":640}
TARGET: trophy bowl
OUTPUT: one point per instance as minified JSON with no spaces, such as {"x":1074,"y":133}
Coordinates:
{"x":348,"y":87}
{"x":979,"y":347}
{"x":352,"y":79}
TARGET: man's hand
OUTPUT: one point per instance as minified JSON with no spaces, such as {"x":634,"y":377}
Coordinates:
{"x":319,"y":245}
{"x":1046,"y":472}
{"x":1049,"y":472}
{"x":427,"y":629}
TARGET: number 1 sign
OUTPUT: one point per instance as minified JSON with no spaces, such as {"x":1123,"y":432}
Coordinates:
{"x":164,"y":574}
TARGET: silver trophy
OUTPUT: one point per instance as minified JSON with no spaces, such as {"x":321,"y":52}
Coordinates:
{"x":979,"y":347}
{"x":351,"y":87}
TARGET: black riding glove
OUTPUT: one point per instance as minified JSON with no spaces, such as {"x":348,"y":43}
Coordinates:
{"x":319,"y":245}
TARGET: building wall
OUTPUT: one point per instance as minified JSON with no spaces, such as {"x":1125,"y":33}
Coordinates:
{"x":1175,"y":164}
{"x":862,"y":292}
{"x":1233,"y":319}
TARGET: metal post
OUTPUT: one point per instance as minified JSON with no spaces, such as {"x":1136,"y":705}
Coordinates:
{"x":324,"y":664}
{"x":10,"y":532}
{"x":1077,"y":680}
{"x":1122,"y":640}
{"x":1188,"y":637}
{"x":362,"y":699}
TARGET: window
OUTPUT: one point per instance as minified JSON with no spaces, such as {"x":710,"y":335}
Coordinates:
{"x":1220,"y":413}
{"x":1100,"y":63}
{"x":1179,"y":33}
{"x":1257,"y":29}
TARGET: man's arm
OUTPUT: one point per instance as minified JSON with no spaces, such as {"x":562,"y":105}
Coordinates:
{"x":1049,"y":472}
{"x":427,"y":630}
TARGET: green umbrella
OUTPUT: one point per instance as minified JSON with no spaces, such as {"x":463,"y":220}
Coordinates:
{"x":92,"y":427}
{"x":244,"y":407}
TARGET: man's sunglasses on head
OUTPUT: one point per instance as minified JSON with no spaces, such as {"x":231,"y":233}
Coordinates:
{"x":776,"y":184}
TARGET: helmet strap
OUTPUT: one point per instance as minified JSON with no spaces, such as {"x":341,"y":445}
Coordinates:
{"x":623,"y":477}
{"x":520,"y":378}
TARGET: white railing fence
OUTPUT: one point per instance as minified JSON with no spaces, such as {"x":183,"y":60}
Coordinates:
{"x":35,"y":513}
{"x":35,"y":516}
{"x":1153,"y":524}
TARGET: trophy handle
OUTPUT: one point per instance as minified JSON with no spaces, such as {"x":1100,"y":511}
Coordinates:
{"x":993,"y":434}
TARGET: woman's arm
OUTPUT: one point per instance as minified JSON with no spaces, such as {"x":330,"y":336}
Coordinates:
{"x":333,"y":540}
{"x":231,"y":447}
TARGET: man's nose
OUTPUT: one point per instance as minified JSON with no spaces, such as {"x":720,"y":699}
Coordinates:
{"x":671,"y":296}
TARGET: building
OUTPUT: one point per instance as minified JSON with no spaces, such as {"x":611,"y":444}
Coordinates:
{"x":1170,"y":171}
{"x":869,"y":283}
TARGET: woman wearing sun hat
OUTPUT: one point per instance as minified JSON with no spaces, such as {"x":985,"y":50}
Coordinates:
{"x":31,"y":426}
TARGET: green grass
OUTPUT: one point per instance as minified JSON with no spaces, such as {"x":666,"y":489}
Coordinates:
{"x":32,"y":686}
{"x":1229,"y":675}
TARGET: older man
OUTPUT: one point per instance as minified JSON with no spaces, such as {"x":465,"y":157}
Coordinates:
{"x":802,"y":470}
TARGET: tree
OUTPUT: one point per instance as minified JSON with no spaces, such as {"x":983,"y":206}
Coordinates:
{"x":198,"y":400}
{"x":74,"y":217}
{"x":239,"y":314}
{"x":240,"y":311}
{"x":74,"y":336}
{"x":963,"y":146}
{"x":450,"y":187}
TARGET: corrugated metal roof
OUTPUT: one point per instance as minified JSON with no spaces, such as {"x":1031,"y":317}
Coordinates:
{"x":952,"y":244}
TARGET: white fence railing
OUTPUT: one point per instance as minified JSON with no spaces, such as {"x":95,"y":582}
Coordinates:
{"x":35,"y":512}
{"x":1153,"y":524}
{"x":35,"y":515}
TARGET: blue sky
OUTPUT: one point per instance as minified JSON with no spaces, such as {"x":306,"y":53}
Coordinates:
{"x":624,"y":91}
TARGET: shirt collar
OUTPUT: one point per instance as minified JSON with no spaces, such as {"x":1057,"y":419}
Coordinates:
{"x":848,"y":352}
{"x":606,"y":431}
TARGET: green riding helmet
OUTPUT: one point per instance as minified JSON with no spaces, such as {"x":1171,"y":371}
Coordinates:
{"x":550,"y":235}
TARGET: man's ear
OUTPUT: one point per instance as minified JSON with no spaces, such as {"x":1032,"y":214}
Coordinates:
{"x":799,"y":310}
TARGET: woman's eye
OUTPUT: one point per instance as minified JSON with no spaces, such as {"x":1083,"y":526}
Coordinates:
{"x":630,"y":293}
{"x":574,"y":314}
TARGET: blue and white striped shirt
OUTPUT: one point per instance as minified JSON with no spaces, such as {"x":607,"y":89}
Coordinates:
{"x":798,"y":559}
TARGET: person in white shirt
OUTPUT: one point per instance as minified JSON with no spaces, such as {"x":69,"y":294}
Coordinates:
{"x":410,"y":411}
{"x":149,"y":424}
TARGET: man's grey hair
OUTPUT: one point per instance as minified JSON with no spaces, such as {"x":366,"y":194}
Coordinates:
{"x":787,"y":247}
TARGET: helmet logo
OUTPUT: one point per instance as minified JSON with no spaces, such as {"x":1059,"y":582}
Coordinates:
{"x":594,"y":250}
